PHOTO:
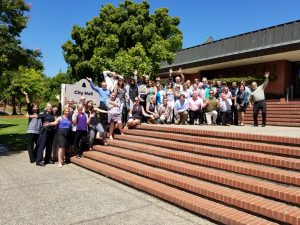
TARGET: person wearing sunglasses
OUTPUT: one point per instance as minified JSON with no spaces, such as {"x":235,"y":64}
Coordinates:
{"x":136,"y":114}
{"x":211,"y":105}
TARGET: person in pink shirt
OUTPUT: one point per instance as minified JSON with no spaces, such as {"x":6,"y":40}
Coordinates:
{"x":195,"y":108}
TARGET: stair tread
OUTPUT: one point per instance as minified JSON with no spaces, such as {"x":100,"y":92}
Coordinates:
{"x":194,"y":130}
{"x":248,"y":145}
{"x":205,"y":207}
{"x":213,"y":191}
{"x":237,"y":181}
{"x":214,"y":154}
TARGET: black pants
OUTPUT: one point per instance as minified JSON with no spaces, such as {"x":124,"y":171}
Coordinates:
{"x":103,"y":116}
{"x":124,"y":114}
{"x":45,"y":140}
{"x":226,"y":117}
{"x":260,"y":105}
{"x":235,"y":115}
{"x":219,"y":119}
{"x":203,"y":117}
{"x":194,"y":115}
{"x":144,"y":119}
{"x":32,"y":146}
{"x":80,"y":142}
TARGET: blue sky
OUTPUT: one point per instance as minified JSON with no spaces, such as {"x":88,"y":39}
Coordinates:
{"x":51,"y":21}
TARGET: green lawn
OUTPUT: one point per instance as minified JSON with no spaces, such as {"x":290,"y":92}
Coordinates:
{"x":13,"y":132}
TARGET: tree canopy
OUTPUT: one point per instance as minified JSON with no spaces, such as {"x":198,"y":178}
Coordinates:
{"x":19,"y":67}
{"x":12,"y":21}
{"x":122,"y":39}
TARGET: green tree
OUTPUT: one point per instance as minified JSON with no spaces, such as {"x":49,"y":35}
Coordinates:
{"x":24,"y":79}
{"x":12,"y":21}
{"x":54,"y":84}
{"x":122,"y":39}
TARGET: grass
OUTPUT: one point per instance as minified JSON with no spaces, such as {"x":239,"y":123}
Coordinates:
{"x":13,"y":132}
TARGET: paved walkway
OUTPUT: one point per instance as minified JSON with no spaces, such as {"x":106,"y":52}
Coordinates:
{"x":72,"y":195}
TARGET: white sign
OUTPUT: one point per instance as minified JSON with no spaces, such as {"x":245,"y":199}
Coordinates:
{"x":80,"y":88}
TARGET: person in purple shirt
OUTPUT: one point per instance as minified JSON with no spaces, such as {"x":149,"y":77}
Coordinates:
{"x":80,"y":119}
{"x":64,"y":127}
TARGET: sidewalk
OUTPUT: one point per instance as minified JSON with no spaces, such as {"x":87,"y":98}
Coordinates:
{"x":72,"y":195}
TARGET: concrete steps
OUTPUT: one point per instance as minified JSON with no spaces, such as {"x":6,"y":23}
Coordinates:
{"x":272,"y":123}
{"x":208,"y":172}
{"x":278,"y":114}
{"x":202,"y":206}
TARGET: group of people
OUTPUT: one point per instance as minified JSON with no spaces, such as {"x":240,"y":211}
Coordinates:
{"x":126,"y":103}
{"x":56,"y":132}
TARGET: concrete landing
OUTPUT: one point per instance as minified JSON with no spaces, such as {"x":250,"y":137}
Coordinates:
{"x":72,"y":195}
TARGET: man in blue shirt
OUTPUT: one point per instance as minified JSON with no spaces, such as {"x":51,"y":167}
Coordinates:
{"x":181,"y":110}
{"x":104,"y":94}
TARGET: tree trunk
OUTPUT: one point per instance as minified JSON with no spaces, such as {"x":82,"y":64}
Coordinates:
{"x":4,"y":105}
{"x":14,"y":112}
{"x":20,"y":108}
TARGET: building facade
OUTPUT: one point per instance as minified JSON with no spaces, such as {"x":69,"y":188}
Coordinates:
{"x":275,"y":49}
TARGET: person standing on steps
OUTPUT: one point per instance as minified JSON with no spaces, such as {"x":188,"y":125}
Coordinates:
{"x":120,"y":90}
{"x":114,"y":107}
{"x":132,"y":91}
{"x":34,"y":126}
{"x":257,"y":100}
{"x":111,"y":79}
{"x":179,"y":80}
{"x":234,"y":90}
{"x":104,"y":94}
{"x":242,"y":97}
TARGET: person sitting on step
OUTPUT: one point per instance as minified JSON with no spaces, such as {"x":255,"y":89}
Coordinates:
{"x":211,"y":105}
{"x":181,"y":110}
{"x":225,"y":109}
{"x":136,"y":114}
{"x":151,"y":109}
{"x":195,"y":108}
{"x":94,"y":123}
{"x":165,"y":112}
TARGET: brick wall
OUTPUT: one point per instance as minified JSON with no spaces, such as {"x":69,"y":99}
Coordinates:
{"x":282,"y":69}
